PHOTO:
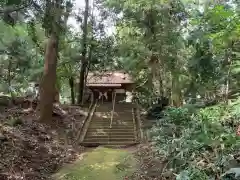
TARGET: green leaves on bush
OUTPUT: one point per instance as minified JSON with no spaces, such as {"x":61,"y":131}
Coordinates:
{"x":178,"y":116}
{"x":197,"y":145}
{"x":192,"y":174}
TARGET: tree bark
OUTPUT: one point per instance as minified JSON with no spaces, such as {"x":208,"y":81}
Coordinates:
{"x":226,"y":85}
{"x":157,"y":81}
{"x":227,"y":66}
{"x":9,"y":77}
{"x":48,"y":84}
{"x":177,"y":100}
{"x":71,"y":84}
{"x":84,"y":52}
{"x":48,"y":90}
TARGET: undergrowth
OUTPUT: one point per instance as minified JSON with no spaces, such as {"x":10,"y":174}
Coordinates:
{"x":196,"y":145}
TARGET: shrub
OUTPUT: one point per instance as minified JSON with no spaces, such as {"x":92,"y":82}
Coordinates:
{"x":197,"y":145}
{"x":178,"y":116}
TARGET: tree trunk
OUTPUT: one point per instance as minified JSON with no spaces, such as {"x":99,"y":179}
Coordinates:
{"x":227,"y":87}
{"x":176,"y":98}
{"x":176,"y":93}
{"x":157,"y":81}
{"x":48,"y":84}
{"x":9,"y":77}
{"x":48,"y":90}
{"x":71,"y":84}
{"x":227,"y":66}
{"x":160,"y":79}
{"x":81,"y":83}
{"x":57,"y":96}
{"x":84,"y":52}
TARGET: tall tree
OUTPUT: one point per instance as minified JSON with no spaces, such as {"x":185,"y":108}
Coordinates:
{"x":53,"y":13}
{"x":84,"y":61}
{"x":149,"y":36}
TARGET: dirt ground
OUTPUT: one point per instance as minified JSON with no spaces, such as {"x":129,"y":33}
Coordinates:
{"x":30,"y":150}
{"x":33,"y":151}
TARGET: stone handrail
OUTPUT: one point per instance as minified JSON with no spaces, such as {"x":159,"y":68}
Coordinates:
{"x":83,"y":131}
{"x":139,"y":123}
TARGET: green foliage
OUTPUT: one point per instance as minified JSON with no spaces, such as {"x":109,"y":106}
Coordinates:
{"x":20,"y":61}
{"x":173,"y":48}
{"x":192,"y":174}
{"x":197,"y":145}
{"x":214,"y":113}
{"x":178,"y":49}
{"x":197,"y":37}
{"x":232,"y":174}
{"x":178,"y":116}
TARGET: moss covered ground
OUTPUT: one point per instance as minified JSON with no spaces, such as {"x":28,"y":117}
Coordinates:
{"x":99,"y":164}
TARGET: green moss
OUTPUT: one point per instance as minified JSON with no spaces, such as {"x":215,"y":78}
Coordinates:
{"x":102,"y":164}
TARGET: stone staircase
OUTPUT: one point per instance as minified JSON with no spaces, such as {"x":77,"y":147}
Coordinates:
{"x":122,"y":131}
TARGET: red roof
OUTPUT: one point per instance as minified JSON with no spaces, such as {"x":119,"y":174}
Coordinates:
{"x":109,"y":77}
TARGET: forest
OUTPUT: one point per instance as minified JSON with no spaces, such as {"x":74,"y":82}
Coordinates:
{"x":187,"y":51}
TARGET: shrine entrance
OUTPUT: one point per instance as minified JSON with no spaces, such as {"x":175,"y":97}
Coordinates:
{"x":109,"y":94}
{"x":109,"y":87}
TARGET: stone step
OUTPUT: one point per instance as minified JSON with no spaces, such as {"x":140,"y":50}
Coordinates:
{"x":116,"y":104}
{"x":107,"y":124}
{"x":119,"y":120}
{"x":112,"y":143}
{"x":123,"y":136}
{"x":114,"y":131}
{"x":107,"y":111}
{"x":120,"y":145}
{"x":104,"y":116}
{"x":116,"y":108}
{"x":106,"y":139}
{"x":107,"y":115}
{"x":107,"y":128}
{"x":113,"y":124}
{"x":116,"y":119}
{"x":114,"y":127}
{"x":94,"y":133}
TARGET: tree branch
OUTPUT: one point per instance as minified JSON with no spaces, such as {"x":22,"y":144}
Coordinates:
{"x":13,"y":8}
